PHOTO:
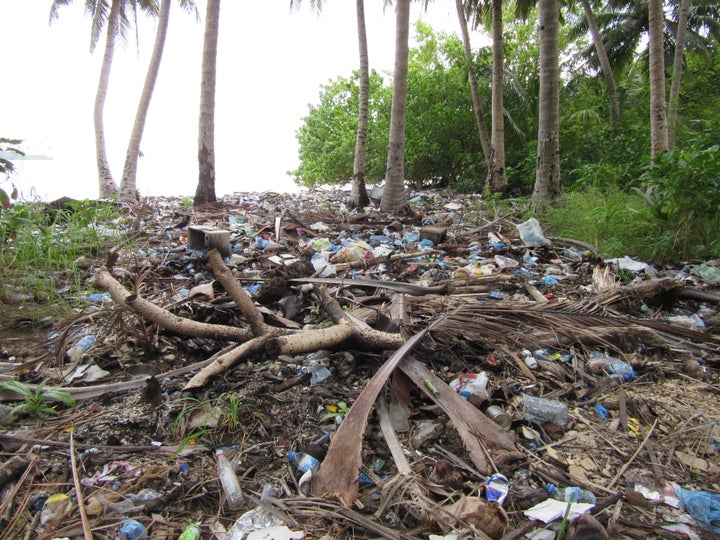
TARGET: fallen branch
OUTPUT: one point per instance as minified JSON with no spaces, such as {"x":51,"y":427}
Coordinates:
{"x":397,"y":286}
{"x":87,"y":531}
{"x":332,"y":337}
{"x":242,"y":300}
{"x":225,"y":361}
{"x":629,"y":462}
{"x":164,"y":318}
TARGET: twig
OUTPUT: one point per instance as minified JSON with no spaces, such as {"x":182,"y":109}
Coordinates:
{"x":87,"y":532}
{"x":625,"y":467}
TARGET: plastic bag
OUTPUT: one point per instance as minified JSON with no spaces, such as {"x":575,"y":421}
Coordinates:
{"x":531,"y":233}
{"x":702,"y":506}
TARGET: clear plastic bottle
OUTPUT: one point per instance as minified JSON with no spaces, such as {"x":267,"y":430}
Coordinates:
{"x":540,"y":410}
{"x":614,"y":366}
{"x":228,"y":480}
{"x":304,"y":462}
{"x":571,"y":494}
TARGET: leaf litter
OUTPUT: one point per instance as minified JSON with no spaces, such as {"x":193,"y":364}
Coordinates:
{"x":291,"y":306}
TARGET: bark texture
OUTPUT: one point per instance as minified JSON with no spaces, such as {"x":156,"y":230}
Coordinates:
{"x":674,"y":99}
{"x":393,"y":198}
{"x":547,"y":179}
{"x":474,"y":90}
{"x":658,"y":117}
{"x":497,"y":176}
{"x":128,"y":185}
{"x":107,"y":185}
{"x":205,"y":192}
{"x":358,"y":192}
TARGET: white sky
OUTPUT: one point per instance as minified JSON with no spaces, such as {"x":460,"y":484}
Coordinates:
{"x":271,"y":62}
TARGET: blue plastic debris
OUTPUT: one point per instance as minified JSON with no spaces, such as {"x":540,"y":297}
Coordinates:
{"x":602,"y":412}
{"x":704,"y":507}
{"x":133,"y":530}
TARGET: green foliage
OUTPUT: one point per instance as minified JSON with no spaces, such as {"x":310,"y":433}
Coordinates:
{"x":608,"y":218}
{"x":340,"y":411}
{"x":327,"y":137}
{"x":442,"y":147}
{"x":36,"y":401}
{"x":39,"y":246}
{"x":206,"y":420}
{"x":8,"y":151}
{"x":682,"y":193}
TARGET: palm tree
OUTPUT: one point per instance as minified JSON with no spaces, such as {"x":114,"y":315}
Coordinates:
{"x":475,"y":92}
{"x":547,"y":178}
{"x":128,"y":184}
{"x":358,"y":193}
{"x":205,"y":192}
{"x":114,"y":15}
{"x":607,"y":70}
{"x":393,"y":198}
{"x":497,"y":177}
{"x":658,"y":118}
{"x":674,"y":99}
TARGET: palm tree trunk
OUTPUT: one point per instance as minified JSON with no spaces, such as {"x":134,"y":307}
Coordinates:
{"x":128,"y":186}
{"x":393,"y":198}
{"x":658,"y":118}
{"x":608,"y":74}
{"x":674,"y":99}
{"x":474,"y":91}
{"x":205,"y":192}
{"x":358,"y":193}
{"x":547,"y":179}
{"x":107,"y":186}
{"x":497,"y":178}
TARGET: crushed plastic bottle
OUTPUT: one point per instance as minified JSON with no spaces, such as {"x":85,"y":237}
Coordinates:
{"x":318,"y":372}
{"x":571,"y":494}
{"x":529,"y":359}
{"x":497,"y":488}
{"x":540,"y":410}
{"x":191,"y":532}
{"x":600,"y":362}
{"x":304,"y":462}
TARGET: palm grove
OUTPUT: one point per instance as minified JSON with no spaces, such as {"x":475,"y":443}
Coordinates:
{"x":569,"y":95}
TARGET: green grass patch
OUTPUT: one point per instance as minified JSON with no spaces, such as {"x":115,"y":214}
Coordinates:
{"x":623,"y":223}
{"x":45,"y":253}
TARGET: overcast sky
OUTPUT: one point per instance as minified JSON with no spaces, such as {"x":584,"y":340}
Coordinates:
{"x":271,"y":63}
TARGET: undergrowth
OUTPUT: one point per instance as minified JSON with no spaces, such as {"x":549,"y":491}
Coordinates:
{"x":623,"y":223}
{"x":44,"y":252}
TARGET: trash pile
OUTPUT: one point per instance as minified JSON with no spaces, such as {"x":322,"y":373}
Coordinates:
{"x":279,"y":366}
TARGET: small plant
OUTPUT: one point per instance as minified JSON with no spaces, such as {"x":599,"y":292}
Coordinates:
{"x":199,"y":419}
{"x":36,"y":401}
{"x":340,"y":411}
{"x":186,"y":203}
{"x":8,"y":151}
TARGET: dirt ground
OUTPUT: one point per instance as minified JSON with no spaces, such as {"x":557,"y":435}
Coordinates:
{"x":338,"y":292}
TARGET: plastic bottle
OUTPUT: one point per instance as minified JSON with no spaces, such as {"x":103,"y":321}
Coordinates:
{"x":571,"y":494}
{"x":191,"y":532}
{"x":529,"y":359}
{"x":228,"y":480}
{"x":617,"y":369}
{"x":540,"y":410}
{"x":304,"y":462}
